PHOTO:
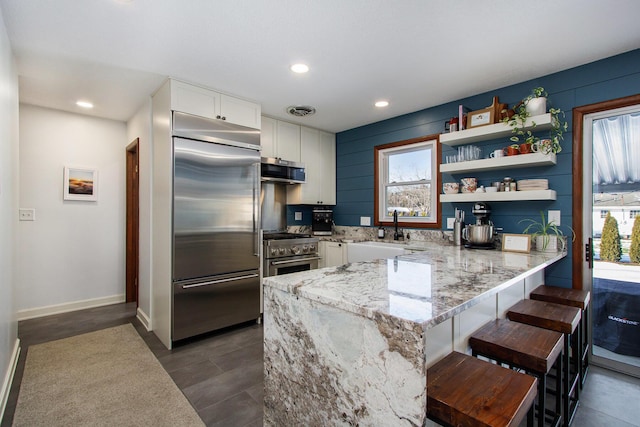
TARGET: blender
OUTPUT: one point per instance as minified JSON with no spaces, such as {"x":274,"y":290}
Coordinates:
{"x":481,"y":234}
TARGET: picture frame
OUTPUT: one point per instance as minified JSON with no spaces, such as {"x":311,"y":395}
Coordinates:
{"x":516,"y":243}
{"x":482,"y":117}
{"x":80,"y":183}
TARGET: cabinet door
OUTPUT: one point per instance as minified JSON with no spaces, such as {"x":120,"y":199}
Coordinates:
{"x":288,"y":141}
{"x":268,"y":137}
{"x":318,"y":153}
{"x":194,"y":100}
{"x":335,"y":254}
{"x":239,"y":111}
{"x":328,"y":169}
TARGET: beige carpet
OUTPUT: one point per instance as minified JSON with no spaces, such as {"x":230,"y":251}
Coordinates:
{"x":103,"y":378}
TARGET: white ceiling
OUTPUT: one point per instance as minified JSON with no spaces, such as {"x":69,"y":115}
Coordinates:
{"x":414,"y":53}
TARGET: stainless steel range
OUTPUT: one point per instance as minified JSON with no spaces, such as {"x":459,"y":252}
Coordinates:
{"x":285,"y":253}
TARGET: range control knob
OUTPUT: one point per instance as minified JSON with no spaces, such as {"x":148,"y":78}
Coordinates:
{"x":282,"y":251}
{"x":305,"y":248}
{"x":295,"y":250}
{"x":274,"y":251}
{"x":312,"y":248}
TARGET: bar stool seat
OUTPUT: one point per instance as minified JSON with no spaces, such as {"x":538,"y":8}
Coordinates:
{"x":463,"y":390}
{"x":563,"y":319}
{"x":573,"y":298}
{"x":526,"y":347}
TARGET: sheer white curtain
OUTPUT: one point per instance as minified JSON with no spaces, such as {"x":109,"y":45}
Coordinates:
{"x":616,"y":150}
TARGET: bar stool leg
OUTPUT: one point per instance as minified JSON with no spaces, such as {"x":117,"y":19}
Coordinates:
{"x":566,"y":380}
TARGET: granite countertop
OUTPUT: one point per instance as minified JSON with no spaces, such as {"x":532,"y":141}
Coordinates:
{"x":426,"y":287}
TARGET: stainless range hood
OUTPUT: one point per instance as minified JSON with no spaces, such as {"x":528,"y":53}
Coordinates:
{"x":279,"y":170}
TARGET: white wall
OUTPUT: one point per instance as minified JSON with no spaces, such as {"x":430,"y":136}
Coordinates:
{"x":140,"y":127}
{"x":73,"y":255}
{"x":8,"y":210}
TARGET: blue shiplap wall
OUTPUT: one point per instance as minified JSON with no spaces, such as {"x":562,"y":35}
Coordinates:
{"x":610,"y":78}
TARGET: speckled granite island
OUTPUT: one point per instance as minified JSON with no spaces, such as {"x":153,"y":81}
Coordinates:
{"x":351,"y":345}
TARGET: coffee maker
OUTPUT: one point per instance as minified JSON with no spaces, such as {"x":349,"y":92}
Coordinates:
{"x":322,"y":222}
{"x":481,"y":234}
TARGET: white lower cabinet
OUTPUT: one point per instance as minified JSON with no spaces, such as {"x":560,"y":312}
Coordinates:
{"x":332,"y":254}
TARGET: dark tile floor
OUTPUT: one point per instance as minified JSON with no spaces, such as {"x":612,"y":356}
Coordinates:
{"x":221,"y":374}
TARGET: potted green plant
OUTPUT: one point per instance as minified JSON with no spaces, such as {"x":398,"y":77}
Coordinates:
{"x":532,"y":105}
{"x":548,"y":236}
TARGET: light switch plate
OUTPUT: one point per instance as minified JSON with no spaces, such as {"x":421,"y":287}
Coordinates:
{"x":450,"y":222}
{"x":298,"y":216}
{"x":554,"y":216}
{"x":365,"y":220}
{"x":27,"y":214}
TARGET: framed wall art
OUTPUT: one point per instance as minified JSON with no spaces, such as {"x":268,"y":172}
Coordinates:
{"x":516,"y":243}
{"x":80,"y":184}
{"x":480,"y":118}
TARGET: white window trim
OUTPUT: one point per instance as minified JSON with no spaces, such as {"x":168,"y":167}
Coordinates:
{"x":383,"y":175}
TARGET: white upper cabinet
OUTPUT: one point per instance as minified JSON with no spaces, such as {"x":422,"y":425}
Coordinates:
{"x":318,"y":154}
{"x":268,"y":137}
{"x":240,"y":112}
{"x":213,"y":105}
{"x":280,"y":139}
{"x":288,"y":141}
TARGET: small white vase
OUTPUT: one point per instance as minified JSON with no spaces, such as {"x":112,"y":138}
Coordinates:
{"x":536,"y":106}
{"x":548,"y":243}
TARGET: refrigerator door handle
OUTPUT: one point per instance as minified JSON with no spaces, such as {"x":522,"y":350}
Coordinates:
{"x":256,"y":210}
{"x":215,"y":282}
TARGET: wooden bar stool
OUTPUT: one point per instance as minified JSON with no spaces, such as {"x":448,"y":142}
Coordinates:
{"x":563,"y":319}
{"x":463,"y":390}
{"x":573,"y":298}
{"x":526,"y":347}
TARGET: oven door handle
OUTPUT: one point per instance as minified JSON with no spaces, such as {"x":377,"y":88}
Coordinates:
{"x":296,"y":261}
{"x":215,"y":282}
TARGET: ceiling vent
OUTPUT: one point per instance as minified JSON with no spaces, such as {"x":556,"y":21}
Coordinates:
{"x":301,"y":110}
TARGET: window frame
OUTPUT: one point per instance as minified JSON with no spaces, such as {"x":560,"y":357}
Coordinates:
{"x":436,"y":183}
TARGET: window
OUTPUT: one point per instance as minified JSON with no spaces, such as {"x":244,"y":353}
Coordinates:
{"x":603,"y":213}
{"x":633,"y":213}
{"x":407,"y":182}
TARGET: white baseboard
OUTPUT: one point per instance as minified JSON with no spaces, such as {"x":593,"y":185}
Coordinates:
{"x":144,"y":319}
{"x":32,"y":313}
{"x":8,"y":378}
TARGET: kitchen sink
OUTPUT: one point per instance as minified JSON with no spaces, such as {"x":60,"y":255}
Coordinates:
{"x":368,"y":251}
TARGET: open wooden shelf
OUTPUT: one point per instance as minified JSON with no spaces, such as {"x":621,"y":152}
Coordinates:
{"x":494,"y":131}
{"x":501,"y":196}
{"x":507,"y":162}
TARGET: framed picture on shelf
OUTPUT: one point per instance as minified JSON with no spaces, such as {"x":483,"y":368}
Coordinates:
{"x":80,"y":184}
{"x":516,"y":243}
{"x":480,"y":117}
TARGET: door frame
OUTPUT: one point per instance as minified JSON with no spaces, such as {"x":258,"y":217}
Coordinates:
{"x":578,"y":248}
{"x":132,"y":221}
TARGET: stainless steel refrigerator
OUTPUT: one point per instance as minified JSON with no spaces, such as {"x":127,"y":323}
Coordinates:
{"x":216,"y":220}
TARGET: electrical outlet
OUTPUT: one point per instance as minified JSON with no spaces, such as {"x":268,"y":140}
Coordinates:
{"x":365,"y":220}
{"x":298,"y":216}
{"x":554,"y":217}
{"x":27,"y":214}
{"x":450,"y":222}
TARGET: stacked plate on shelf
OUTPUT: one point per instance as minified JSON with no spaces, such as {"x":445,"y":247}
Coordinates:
{"x":533,"y":184}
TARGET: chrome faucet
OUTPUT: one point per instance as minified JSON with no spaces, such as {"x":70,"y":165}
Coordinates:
{"x":396,"y":235}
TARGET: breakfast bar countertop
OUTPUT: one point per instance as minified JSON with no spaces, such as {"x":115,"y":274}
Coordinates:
{"x":425,"y":287}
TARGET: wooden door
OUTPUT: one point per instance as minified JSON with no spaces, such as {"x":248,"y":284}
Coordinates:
{"x":132,"y":216}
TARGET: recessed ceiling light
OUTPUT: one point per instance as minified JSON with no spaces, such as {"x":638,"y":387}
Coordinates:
{"x":381,"y":104}
{"x":84,"y":104}
{"x":299,"y":68}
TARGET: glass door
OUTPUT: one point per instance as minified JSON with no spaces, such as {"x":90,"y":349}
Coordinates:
{"x":611,"y":207}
